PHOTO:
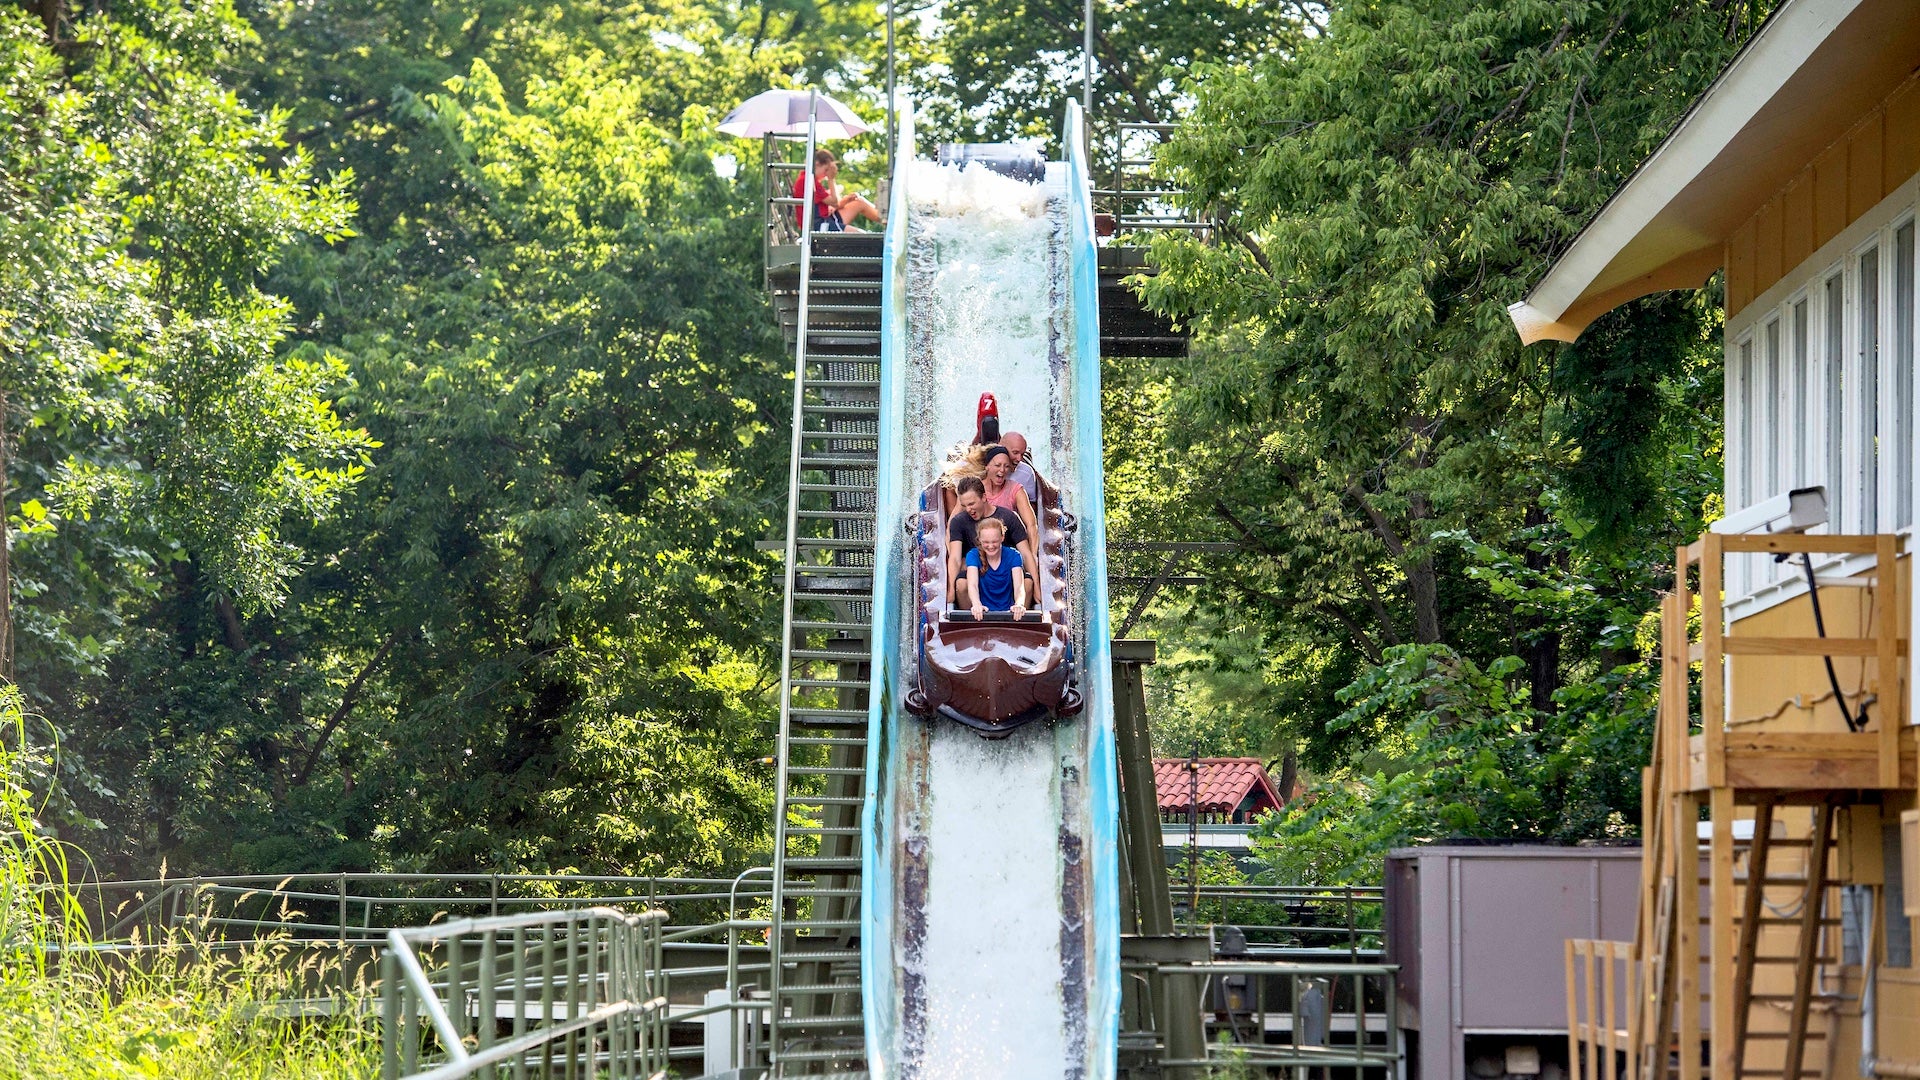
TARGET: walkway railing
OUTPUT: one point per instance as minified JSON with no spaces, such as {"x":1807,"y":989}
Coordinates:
{"x":1324,"y":923}
{"x":1599,"y":1002}
{"x":1273,"y":1014}
{"x":550,"y":994}
{"x":1138,"y":200}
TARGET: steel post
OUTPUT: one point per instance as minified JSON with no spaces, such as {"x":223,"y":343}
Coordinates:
{"x":1178,"y":999}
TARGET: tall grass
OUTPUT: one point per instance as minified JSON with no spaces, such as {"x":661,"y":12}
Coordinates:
{"x":184,"y":1008}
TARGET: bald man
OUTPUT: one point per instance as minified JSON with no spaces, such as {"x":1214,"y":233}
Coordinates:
{"x":1023,"y":473}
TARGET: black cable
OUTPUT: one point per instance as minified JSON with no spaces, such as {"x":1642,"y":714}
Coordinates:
{"x":1854,"y":723}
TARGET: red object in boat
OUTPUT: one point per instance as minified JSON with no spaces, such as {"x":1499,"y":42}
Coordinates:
{"x":988,"y":407}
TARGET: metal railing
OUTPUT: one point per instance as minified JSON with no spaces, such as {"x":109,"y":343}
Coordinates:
{"x":575,"y":991}
{"x":357,"y":909}
{"x":1279,"y":1015}
{"x":1303,"y":923}
{"x":1138,"y":200}
{"x":713,"y":970}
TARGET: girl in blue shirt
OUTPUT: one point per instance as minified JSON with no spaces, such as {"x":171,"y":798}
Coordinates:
{"x":994,"y":580}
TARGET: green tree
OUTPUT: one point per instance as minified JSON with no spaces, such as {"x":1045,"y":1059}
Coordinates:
{"x":162,"y":451}
{"x":1357,"y":412}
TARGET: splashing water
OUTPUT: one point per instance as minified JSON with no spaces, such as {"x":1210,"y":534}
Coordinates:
{"x":996,"y":951}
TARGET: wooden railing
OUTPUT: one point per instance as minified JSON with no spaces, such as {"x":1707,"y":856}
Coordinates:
{"x":1722,"y":757}
{"x":1723,"y":770}
{"x":1595,"y":1037}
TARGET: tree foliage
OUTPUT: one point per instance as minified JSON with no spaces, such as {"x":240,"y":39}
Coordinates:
{"x":1419,"y":492}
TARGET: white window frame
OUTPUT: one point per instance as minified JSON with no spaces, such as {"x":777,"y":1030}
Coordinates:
{"x":1754,"y":587}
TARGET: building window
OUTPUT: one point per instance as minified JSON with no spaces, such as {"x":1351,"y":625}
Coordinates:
{"x":1802,"y":406}
{"x":1899,"y":927}
{"x":1744,"y":487}
{"x":1866,"y":382}
{"x":1900,"y":445}
{"x":1776,"y":444}
{"x":1836,"y":368}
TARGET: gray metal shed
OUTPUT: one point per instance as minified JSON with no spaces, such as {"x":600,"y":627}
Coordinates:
{"x":1479,"y":933}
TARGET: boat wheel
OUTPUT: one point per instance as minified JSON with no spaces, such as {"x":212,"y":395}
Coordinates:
{"x":1071,"y":702}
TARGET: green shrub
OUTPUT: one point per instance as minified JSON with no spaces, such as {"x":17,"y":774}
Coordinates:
{"x":184,"y":1008}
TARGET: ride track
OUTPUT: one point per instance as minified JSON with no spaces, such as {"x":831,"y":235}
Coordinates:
{"x":990,"y":914}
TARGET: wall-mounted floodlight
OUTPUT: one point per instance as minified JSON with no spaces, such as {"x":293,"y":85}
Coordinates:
{"x":1796,"y":511}
{"x":726,"y":166}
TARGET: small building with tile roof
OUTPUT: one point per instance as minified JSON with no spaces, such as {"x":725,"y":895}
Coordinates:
{"x":1228,"y":791}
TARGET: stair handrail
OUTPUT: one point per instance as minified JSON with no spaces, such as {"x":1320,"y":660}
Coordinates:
{"x":783,"y":748}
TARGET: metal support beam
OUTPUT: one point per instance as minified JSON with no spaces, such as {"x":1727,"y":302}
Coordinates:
{"x":1178,"y":998}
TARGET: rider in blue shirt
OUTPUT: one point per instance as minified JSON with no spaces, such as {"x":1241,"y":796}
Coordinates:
{"x":994,"y":580}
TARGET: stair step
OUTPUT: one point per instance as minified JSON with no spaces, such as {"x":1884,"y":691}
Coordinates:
{"x":819,"y":1023}
{"x":818,"y":624}
{"x":817,"y":956}
{"x":849,"y":543}
{"x":837,"y":515}
{"x":828,"y":740}
{"x":823,"y":570}
{"x":841,"y":409}
{"x":838,"y":461}
{"x":850,"y":656}
{"x":821,"y":924}
{"x":1781,"y":1036}
{"x":826,"y":770}
{"x":781,"y":1058}
{"x":816,"y":989}
{"x":830,"y":684}
{"x":851,"y":595}
{"x":821,"y":864}
{"x":823,"y":830}
{"x":824,"y":800}
{"x":848,"y":358}
{"x":843,"y":336}
{"x":828,"y":718}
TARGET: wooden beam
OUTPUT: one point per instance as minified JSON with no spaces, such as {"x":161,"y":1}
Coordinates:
{"x":1811,"y":910}
{"x":1609,"y":953}
{"x":1886,"y":627}
{"x":1803,"y":646}
{"x":1750,"y":928}
{"x":1713,"y":679}
{"x":1785,"y":761}
{"x":1686,"y":925}
{"x":1573,"y":1014}
{"x":1793,"y":544}
{"x":1720,"y":960}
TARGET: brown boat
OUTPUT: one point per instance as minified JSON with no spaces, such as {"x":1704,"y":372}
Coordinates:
{"x":999,"y":673}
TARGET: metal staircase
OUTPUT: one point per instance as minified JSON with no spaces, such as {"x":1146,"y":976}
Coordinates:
{"x":828,"y":302}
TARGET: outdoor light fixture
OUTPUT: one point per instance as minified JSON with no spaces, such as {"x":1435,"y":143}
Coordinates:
{"x":726,"y":166}
{"x":1796,"y":511}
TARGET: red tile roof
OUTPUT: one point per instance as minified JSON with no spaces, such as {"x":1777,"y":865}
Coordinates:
{"x":1224,"y":783}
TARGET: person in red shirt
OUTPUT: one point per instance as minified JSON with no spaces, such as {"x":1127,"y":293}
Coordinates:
{"x":833,"y":210}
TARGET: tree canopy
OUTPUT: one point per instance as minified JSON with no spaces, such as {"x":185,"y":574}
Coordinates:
{"x":389,"y":410}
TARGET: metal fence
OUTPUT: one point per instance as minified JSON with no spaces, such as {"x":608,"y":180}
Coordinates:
{"x":1300,"y":923}
{"x":1140,"y":198}
{"x":1280,"y":957}
{"x":568,"y":994}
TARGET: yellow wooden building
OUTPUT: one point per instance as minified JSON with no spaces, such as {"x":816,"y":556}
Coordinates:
{"x":1781,"y":872}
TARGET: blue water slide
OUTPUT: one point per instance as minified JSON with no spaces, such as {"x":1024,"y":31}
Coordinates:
{"x":990,"y":897}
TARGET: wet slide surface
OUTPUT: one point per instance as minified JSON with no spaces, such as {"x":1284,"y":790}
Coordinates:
{"x":990,"y":914}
